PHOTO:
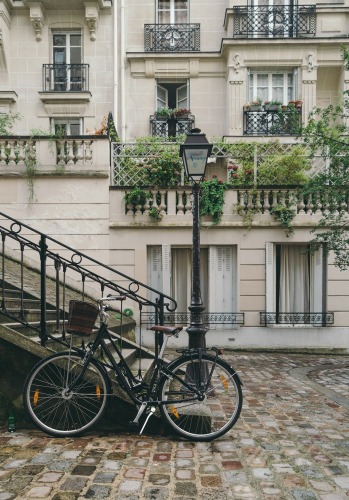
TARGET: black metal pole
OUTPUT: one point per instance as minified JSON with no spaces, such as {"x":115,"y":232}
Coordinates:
{"x":197,"y":329}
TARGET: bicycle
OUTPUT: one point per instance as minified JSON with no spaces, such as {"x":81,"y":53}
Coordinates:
{"x":198,"y":394}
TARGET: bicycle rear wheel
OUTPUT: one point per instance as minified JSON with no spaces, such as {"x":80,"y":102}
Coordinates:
{"x":202,"y":398}
{"x":62,"y":413}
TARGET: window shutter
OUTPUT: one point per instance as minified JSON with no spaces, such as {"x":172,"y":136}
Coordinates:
{"x":155,"y":267}
{"x":269,"y":277}
{"x":317,"y":281}
{"x":166,"y":269}
{"x":221,"y":285}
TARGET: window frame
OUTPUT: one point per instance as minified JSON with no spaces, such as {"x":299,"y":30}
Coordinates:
{"x":318,"y":284}
{"x":289,"y":91}
{"x":172,"y":12}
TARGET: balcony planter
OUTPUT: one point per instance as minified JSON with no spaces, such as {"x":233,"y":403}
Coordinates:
{"x":292,"y":104}
{"x":272,"y":106}
{"x":181,"y":113}
{"x":298,"y":103}
{"x":163,"y":113}
{"x":255,"y":107}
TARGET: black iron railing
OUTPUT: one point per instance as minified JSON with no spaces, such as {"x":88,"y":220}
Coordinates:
{"x":294,"y":318}
{"x":66,"y":77}
{"x":67,"y":269}
{"x":183,"y":318}
{"x":171,"y":127}
{"x":172,"y":37}
{"x":272,"y":122}
{"x":277,"y":21}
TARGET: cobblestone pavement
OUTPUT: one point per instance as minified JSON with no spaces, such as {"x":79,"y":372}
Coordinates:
{"x":291,"y":442}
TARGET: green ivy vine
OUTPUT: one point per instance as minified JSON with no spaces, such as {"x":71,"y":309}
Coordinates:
{"x":212,"y":198}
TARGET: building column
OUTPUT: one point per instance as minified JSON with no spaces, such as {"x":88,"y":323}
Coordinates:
{"x":236,"y":94}
{"x":309,"y":79}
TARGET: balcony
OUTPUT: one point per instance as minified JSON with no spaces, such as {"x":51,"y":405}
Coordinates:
{"x":171,"y":127}
{"x":267,"y":122}
{"x":278,"y":21}
{"x":17,"y":154}
{"x":66,"y":77}
{"x":172,"y":37}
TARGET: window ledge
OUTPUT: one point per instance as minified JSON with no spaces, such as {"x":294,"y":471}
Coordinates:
{"x":65,"y":104}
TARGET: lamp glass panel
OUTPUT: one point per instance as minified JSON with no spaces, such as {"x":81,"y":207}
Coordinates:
{"x":196,"y":161}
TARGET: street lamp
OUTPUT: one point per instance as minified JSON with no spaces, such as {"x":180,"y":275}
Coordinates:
{"x":194,"y":153}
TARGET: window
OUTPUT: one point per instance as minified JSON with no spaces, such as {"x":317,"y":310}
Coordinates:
{"x":173,"y":11}
{"x":169,"y":270}
{"x":272,"y":86}
{"x":67,"y":56}
{"x":173,"y":95}
{"x":66,"y":126}
{"x":294,"y":279}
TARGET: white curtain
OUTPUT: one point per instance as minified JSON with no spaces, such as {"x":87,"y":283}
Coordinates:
{"x":294,"y":293}
{"x":181,"y":276}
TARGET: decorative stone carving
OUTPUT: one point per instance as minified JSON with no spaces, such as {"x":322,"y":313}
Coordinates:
{"x":91,"y":16}
{"x":310,"y":61}
{"x":36,"y":14}
{"x":236,"y":62}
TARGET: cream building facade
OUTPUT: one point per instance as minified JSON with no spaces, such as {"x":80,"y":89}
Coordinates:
{"x":261,"y":288}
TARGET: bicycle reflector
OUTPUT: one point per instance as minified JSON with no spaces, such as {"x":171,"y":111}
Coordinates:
{"x":98,"y":392}
{"x":36,"y":397}
{"x":174,"y":411}
{"x":224,"y":382}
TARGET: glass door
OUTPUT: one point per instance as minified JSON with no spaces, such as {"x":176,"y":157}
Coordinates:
{"x":67,"y":71}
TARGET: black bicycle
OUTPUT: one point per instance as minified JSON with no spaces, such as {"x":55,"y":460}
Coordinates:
{"x":199,"y":394}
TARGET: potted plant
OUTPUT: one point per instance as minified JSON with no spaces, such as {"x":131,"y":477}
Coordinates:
{"x":163,"y":113}
{"x":181,"y":113}
{"x":256,"y":105}
{"x":292,"y":103}
{"x":299,"y":103}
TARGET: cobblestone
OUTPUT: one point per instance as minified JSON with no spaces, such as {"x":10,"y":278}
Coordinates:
{"x":290,"y":443}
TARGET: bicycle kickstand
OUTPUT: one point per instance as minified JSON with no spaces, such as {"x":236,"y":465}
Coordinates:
{"x":150,"y":414}
{"x":135,"y":423}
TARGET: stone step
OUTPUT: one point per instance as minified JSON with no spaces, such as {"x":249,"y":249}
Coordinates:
{"x":30,"y":315}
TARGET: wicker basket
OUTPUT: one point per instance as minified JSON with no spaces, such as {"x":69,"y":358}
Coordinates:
{"x":82,"y":317}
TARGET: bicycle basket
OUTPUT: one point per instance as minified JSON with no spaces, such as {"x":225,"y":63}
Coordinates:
{"x":82,"y":317}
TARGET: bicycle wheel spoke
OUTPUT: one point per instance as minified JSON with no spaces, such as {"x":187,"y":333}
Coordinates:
{"x":60,"y":399}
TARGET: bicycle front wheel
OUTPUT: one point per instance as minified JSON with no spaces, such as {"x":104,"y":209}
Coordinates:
{"x":57,"y":410}
{"x":201,"y":398}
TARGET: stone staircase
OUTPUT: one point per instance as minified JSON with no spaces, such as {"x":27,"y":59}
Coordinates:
{"x":20,"y":349}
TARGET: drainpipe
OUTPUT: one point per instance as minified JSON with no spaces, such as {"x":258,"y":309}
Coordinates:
{"x":122,"y":70}
{"x":115,"y":63}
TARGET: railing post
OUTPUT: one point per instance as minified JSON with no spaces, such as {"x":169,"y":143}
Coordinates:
{"x":43,"y":249}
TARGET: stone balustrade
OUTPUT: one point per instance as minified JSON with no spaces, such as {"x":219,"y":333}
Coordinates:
{"x":174,"y":205}
{"x":18,"y":153}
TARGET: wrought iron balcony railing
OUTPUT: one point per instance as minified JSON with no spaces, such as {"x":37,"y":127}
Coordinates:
{"x":66,"y":77}
{"x":172,"y":37}
{"x":171,"y":127}
{"x":272,"y":122}
{"x":294,"y":318}
{"x":177,"y":318}
{"x":277,"y":21}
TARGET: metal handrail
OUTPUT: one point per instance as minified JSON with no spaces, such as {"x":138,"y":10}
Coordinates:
{"x":276,"y":21}
{"x":72,"y":260}
{"x":297,"y":318}
{"x":66,"y":77}
{"x":172,"y":37}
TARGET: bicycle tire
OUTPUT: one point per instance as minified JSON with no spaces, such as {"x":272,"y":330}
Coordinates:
{"x":58,"y":413}
{"x":221,"y":394}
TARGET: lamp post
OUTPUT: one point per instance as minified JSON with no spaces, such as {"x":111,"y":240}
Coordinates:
{"x":194,"y":153}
